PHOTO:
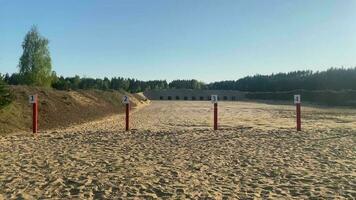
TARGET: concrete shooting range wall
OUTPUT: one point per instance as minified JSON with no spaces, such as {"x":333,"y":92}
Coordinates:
{"x":194,"y":95}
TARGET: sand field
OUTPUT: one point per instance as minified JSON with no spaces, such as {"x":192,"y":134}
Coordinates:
{"x":173,"y":153}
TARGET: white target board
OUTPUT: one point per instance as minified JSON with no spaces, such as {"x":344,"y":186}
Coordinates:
{"x":214,"y":98}
{"x":32,"y":99}
{"x":125,"y":100}
{"x":297,"y":99}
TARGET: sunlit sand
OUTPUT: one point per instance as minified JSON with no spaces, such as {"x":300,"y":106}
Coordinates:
{"x":173,"y":153}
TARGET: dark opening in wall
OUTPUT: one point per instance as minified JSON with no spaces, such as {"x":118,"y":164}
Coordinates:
{"x":169,"y":98}
{"x":185,"y":98}
{"x":225,"y":98}
{"x":177,"y":98}
{"x":201,"y":98}
{"x":161,"y":98}
{"x":193,"y":98}
{"x":233,"y":98}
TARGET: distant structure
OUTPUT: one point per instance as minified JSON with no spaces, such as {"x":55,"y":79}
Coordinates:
{"x":193,"y":95}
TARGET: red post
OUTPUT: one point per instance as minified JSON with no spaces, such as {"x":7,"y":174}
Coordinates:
{"x":215,"y":116}
{"x":127,"y":117}
{"x":35,"y":116}
{"x":299,"y":121}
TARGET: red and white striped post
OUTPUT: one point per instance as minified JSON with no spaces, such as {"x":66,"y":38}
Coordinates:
{"x":126,"y":101}
{"x":297,"y":101}
{"x":34,"y":101}
{"x":214,"y":100}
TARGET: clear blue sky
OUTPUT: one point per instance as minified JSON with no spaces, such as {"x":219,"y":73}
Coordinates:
{"x":168,"y":39}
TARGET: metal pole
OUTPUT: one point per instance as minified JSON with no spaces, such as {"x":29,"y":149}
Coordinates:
{"x":299,"y":123}
{"x":35,"y":117}
{"x":215,"y":116}
{"x":127,"y":117}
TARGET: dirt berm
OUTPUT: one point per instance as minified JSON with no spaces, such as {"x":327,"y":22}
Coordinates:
{"x":61,"y":108}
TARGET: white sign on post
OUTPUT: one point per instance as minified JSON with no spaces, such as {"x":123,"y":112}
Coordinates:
{"x":297,"y":99}
{"x":214,"y":98}
{"x":125,"y":100}
{"x":32,"y":99}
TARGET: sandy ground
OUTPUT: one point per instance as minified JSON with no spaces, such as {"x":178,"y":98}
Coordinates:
{"x":173,"y":153}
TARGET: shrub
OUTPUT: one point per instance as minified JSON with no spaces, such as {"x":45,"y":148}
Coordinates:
{"x":5,"y":94}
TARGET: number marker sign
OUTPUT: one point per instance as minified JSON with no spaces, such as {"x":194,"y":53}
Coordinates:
{"x":125,"y":100}
{"x":32,"y":99}
{"x":297,"y":99}
{"x":214,"y":98}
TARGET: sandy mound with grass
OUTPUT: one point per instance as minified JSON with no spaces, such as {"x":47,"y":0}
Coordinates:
{"x":61,"y":108}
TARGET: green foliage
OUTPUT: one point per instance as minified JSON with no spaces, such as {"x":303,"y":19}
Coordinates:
{"x":35,"y":62}
{"x":332,"y":79}
{"x":187,"y":84}
{"x":5,"y":95}
{"x":116,"y":83}
{"x":14,"y":79}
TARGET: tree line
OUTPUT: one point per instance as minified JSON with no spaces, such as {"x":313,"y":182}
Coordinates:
{"x":77,"y":82}
{"x":115,"y":83}
{"x":331,"y":79}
